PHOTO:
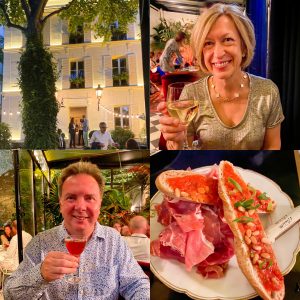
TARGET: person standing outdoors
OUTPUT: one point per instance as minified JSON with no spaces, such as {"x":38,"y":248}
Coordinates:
{"x":72,"y":133}
{"x":85,"y":130}
{"x":80,"y":133}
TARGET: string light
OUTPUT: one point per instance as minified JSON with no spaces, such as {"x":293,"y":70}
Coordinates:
{"x":137,"y":116}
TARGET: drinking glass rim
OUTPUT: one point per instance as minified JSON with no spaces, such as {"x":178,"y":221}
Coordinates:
{"x":179,"y":84}
{"x":72,"y":237}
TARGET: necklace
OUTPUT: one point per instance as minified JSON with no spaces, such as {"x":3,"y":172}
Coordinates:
{"x":235,"y":95}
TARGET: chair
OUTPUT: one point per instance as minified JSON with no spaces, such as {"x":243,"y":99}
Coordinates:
{"x":146,"y":268}
{"x":4,"y":272}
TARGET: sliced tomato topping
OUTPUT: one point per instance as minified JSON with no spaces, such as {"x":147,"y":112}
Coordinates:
{"x":239,"y":193}
{"x":198,"y":187}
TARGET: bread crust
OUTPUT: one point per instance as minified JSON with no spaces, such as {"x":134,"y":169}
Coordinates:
{"x":241,"y":248}
{"x":164,"y":187}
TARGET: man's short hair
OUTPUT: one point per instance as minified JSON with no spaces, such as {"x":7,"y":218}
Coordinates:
{"x":138,"y":222}
{"x":81,"y":168}
{"x":102,"y":124}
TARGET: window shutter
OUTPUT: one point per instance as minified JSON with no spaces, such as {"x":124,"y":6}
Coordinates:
{"x":65,"y":33}
{"x":55,"y":31}
{"x":107,"y":69}
{"x":88,"y":74}
{"x":87,"y":36}
{"x":46,"y":33}
{"x":131,"y":59}
{"x":65,"y":73}
{"x":131,"y":31}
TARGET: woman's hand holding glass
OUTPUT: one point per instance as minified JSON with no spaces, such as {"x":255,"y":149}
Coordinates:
{"x":183,"y":108}
{"x":172,"y":129}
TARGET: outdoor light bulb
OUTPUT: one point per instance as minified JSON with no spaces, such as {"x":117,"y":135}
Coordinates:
{"x":10,"y":113}
{"x":4,"y":112}
{"x":18,"y":112}
{"x":99,"y":91}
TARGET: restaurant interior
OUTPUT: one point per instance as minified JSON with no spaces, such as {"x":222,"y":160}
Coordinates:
{"x":29,"y":189}
{"x":276,"y":55}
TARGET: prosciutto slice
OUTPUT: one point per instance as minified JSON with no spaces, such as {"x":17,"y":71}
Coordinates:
{"x":195,"y":234}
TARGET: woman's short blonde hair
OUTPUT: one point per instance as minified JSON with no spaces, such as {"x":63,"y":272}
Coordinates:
{"x":207,"y":19}
{"x":81,"y":168}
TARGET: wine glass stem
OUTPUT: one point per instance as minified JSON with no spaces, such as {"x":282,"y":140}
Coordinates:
{"x":185,"y":143}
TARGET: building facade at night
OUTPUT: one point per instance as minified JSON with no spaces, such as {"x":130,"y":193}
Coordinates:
{"x":84,"y":62}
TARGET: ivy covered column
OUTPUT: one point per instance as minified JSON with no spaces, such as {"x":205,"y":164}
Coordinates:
{"x":37,"y":76}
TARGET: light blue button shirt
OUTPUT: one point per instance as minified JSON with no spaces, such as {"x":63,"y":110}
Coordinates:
{"x":107,"y":269}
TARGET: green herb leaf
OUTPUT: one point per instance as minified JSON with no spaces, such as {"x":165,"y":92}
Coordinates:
{"x":243,"y":219}
{"x":252,"y":190}
{"x":270,"y":263}
{"x":247,"y":204}
{"x":255,"y":207}
{"x":237,"y":186}
{"x":262,"y":264}
{"x":263,"y":196}
{"x":270,"y":206}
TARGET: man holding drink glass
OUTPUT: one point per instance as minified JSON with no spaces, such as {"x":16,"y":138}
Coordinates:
{"x":106,"y":267}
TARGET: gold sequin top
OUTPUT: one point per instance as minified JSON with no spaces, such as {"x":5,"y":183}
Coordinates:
{"x":263,"y":111}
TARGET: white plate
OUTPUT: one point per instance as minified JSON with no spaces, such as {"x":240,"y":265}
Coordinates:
{"x":234,"y":284}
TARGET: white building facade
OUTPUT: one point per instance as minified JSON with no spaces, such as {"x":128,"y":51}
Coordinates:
{"x":115,"y":65}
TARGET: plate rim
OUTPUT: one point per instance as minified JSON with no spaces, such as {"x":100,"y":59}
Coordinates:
{"x":252,"y":295}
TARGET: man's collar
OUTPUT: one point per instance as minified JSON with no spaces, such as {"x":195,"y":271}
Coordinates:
{"x":98,"y":232}
{"x":139,"y":235}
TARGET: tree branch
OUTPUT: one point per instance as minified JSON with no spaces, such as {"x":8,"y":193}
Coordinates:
{"x":25,"y":8}
{"x":8,"y":22}
{"x":58,"y":11}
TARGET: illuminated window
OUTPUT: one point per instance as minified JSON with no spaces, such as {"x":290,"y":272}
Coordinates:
{"x":76,"y":74}
{"x":120,"y":73}
{"x":121,"y":116}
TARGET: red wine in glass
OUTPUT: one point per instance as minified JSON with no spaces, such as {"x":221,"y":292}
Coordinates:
{"x":75,"y":246}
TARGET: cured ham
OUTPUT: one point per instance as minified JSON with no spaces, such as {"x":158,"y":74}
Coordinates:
{"x":194,"y":234}
{"x":196,"y":231}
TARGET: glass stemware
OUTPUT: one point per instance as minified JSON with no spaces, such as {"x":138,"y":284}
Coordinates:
{"x":75,"y":245}
{"x":181,"y":106}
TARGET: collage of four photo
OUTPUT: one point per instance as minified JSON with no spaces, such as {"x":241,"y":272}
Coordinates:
{"x":149,"y":150}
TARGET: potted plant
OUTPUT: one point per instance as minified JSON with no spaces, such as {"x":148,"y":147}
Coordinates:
{"x":5,"y":136}
{"x":76,"y":82}
{"x":121,"y":135}
{"x":123,"y":77}
{"x":167,"y":30}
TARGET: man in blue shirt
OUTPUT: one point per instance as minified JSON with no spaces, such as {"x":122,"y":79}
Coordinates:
{"x":106,"y":267}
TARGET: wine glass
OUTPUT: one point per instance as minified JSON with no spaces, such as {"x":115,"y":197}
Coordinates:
{"x":183,"y":107}
{"x":75,"y":245}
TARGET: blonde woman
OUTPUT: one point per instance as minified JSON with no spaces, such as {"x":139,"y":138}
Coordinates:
{"x":237,"y":110}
